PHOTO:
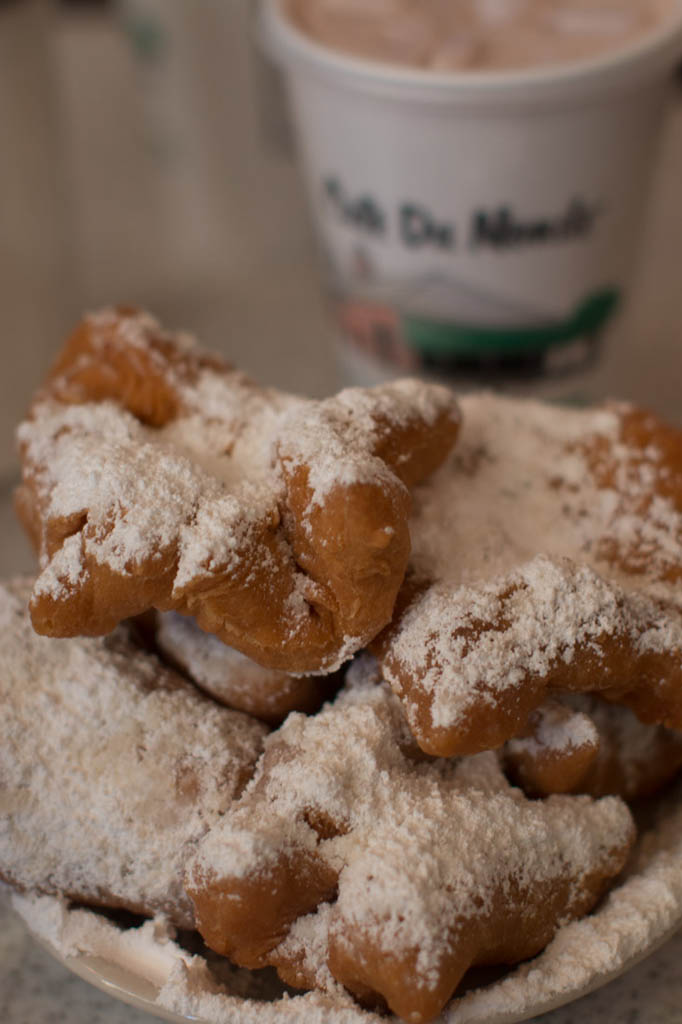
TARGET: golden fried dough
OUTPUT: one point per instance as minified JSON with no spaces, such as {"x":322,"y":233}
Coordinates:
{"x":347,"y":859}
{"x":155,"y":476}
{"x":581,"y":744}
{"x":556,"y":752}
{"x":547,"y":557}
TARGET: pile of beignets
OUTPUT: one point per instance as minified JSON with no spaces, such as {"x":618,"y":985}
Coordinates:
{"x":359,"y":688}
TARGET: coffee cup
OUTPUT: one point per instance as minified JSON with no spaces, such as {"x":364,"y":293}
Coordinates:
{"x":481,"y":224}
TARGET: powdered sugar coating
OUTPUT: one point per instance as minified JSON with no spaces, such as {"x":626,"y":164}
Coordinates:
{"x":111,"y":766}
{"x":208,"y":661}
{"x":633,"y":759}
{"x":96,"y":457}
{"x":232,"y":678}
{"x":403,"y":836}
{"x":646,"y":907}
{"x":148,"y":951}
{"x":144,"y":489}
{"x":523,"y":481}
{"x":547,"y":530}
{"x":308,"y":944}
{"x":558,"y":731}
{"x":331,"y":440}
{"x":635,"y":916}
{"x":643,"y":908}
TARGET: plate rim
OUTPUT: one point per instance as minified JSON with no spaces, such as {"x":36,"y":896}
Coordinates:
{"x":135,"y":990}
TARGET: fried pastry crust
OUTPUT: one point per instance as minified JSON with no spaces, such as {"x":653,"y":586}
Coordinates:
{"x":347,"y":859}
{"x":547,"y":556}
{"x":556,"y":751}
{"x":156,"y":476}
{"x":581,"y":744}
{"x":235,"y":680}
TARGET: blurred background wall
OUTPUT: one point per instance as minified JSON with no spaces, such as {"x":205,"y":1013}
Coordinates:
{"x":185,"y":196}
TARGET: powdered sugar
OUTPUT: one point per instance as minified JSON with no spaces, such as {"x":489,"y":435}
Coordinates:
{"x":187,"y":992}
{"x":112,"y":767}
{"x":520,"y":483}
{"x":557,"y":730}
{"x":369,"y":736}
{"x":634,"y":918}
{"x":336,"y":439}
{"x":221,"y":533}
{"x":526,"y":621}
{"x":143,"y":489}
{"x":403,"y":837}
{"x":148,"y":951}
{"x":394,"y":839}
{"x":644,"y":909}
{"x":631,"y":756}
{"x":191,"y":487}
{"x":66,"y":569}
{"x":215,"y":666}
{"x":544,"y":532}
{"x":308,"y":944}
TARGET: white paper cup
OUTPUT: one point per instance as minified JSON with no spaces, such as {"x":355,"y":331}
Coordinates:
{"x":476,"y":223}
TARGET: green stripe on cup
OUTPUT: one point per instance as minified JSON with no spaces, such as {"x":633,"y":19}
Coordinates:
{"x":437,"y":338}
